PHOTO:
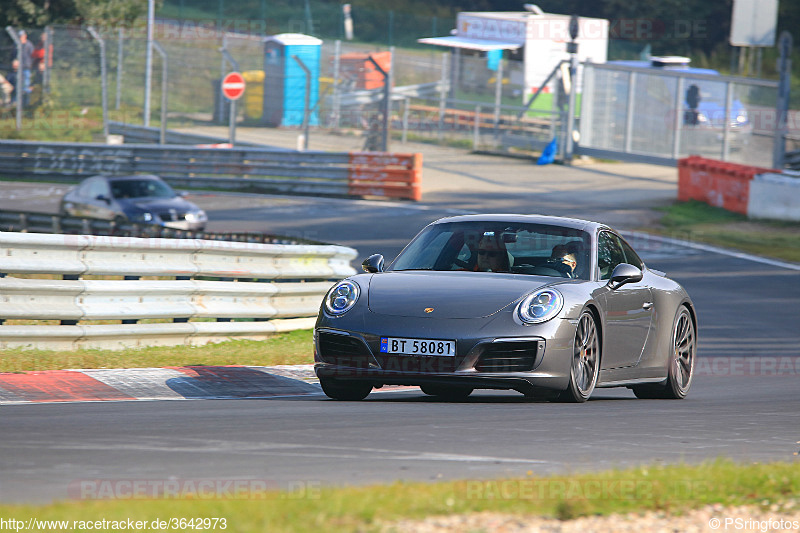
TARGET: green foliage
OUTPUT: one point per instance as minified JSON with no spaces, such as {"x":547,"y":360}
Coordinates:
{"x":111,"y":13}
{"x":671,"y":489}
{"x":697,"y":221}
{"x":38,"y":13}
{"x":290,"y":348}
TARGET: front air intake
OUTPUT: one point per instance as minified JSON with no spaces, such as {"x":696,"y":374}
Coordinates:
{"x":511,"y":356}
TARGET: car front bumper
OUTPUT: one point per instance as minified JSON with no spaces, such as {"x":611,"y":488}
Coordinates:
{"x":528,"y":359}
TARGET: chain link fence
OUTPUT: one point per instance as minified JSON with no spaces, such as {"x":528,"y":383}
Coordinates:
{"x":632,"y":111}
{"x":465,"y":98}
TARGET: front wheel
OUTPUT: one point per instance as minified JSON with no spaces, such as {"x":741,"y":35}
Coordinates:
{"x":585,"y":361}
{"x":346,"y":390}
{"x":681,"y":362}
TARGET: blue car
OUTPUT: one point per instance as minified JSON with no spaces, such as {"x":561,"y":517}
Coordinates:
{"x":140,"y":199}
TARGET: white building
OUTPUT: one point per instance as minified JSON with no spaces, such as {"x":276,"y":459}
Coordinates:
{"x":539,"y":39}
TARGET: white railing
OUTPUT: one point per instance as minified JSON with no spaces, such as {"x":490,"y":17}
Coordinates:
{"x":273,"y":287}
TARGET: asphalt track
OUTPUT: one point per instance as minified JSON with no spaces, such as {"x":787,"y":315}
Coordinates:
{"x":744,"y":404}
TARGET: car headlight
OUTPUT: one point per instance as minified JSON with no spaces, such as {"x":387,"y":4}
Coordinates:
{"x":342,"y":297}
{"x":701,"y":118}
{"x":540,"y":306}
{"x":147,"y":217}
{"x":198,"y":216}
{"x":741,"y":119}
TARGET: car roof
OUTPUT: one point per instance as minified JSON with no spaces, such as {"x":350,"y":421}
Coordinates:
{"x":649,"y":65}
{"x":134,"y":177}
{"x":572,"y":223}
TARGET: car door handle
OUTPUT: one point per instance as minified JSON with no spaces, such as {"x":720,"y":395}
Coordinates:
{"x":647,"y":305}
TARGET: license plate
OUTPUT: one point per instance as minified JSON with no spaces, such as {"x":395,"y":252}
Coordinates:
{"x":418,"y":347}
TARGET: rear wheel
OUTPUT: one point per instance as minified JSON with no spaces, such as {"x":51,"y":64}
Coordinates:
{"x":347,"y":390}
{"x":447,"y":392}
{"x":681,"y":362}
{"x":585,"y":361}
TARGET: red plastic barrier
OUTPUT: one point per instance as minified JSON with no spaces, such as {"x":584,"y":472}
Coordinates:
{"x":385,"y":174}
{"x":716,"y":183}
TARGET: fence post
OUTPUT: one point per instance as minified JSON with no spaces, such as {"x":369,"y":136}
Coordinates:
{"x":103,"y":80}
{"x":726,"y":124}
{"x":336,"y":89}
{"x":573,"y":90}
{"x":148,"y":67}
{"x":629,"y":111}
{"x":406,"y":104}
{"x":20,"y":83}
{"x":782,"y":106}
{"x":307,"y":102}
{"x":498,"y":94}
{"x":442,"y":95}
{"x":222,"y":72}
{"x":476,"y":134}
{"x":164,"y":73}
{"x":387,"y":93}
{"x":676,"y":141}
{"x":120,"y":71}
{"x":48,"y":58}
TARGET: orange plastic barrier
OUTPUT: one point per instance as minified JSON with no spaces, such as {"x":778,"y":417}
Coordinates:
{"x":385,"y":174}
{"x":716,"y":183}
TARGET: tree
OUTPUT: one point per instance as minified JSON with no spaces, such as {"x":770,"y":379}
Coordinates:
{"x":39,"y":13}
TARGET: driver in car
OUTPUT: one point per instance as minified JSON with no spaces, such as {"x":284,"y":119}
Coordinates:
{"x":492,"y":254}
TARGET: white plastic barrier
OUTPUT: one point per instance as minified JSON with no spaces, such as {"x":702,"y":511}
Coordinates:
{"x":292,"y":280}
{"x":775,"y":196}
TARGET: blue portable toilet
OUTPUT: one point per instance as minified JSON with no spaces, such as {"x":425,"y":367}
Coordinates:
{"x":285,"y":80}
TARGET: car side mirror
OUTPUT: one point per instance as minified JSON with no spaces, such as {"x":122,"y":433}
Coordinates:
{"x":622,"y":274}
{"x":103,"y":198}
{"x":183,"y":194}
{"x":373,"y":264}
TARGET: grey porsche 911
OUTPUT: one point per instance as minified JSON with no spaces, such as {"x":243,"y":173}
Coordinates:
{"x":550,"y":307}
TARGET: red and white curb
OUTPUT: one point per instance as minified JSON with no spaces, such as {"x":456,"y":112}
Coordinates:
{"x":175,"y":383}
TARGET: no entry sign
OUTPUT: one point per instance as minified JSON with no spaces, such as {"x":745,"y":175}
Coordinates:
{"x":233,"y":86}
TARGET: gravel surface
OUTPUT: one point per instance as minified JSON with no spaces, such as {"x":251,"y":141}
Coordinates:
{"x":707,"y":519}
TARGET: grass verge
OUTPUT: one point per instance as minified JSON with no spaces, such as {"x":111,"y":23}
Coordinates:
{"x":697,"y":221}
{"x":671,"y":489}
{"x":290,"y":348}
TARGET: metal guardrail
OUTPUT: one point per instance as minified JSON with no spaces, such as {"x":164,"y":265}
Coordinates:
{"x":272,"y":287}
{"x":378,"y":174}
{"x":150,"y":135}
{"x":32,"y":222}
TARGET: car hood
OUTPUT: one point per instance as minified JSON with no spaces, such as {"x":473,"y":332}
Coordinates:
{"x":449,"y":294}
{"x":159,"y":205}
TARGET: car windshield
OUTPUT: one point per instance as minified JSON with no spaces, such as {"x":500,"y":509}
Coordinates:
{"x":124,"y":189}
{"x":518,"y":248}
